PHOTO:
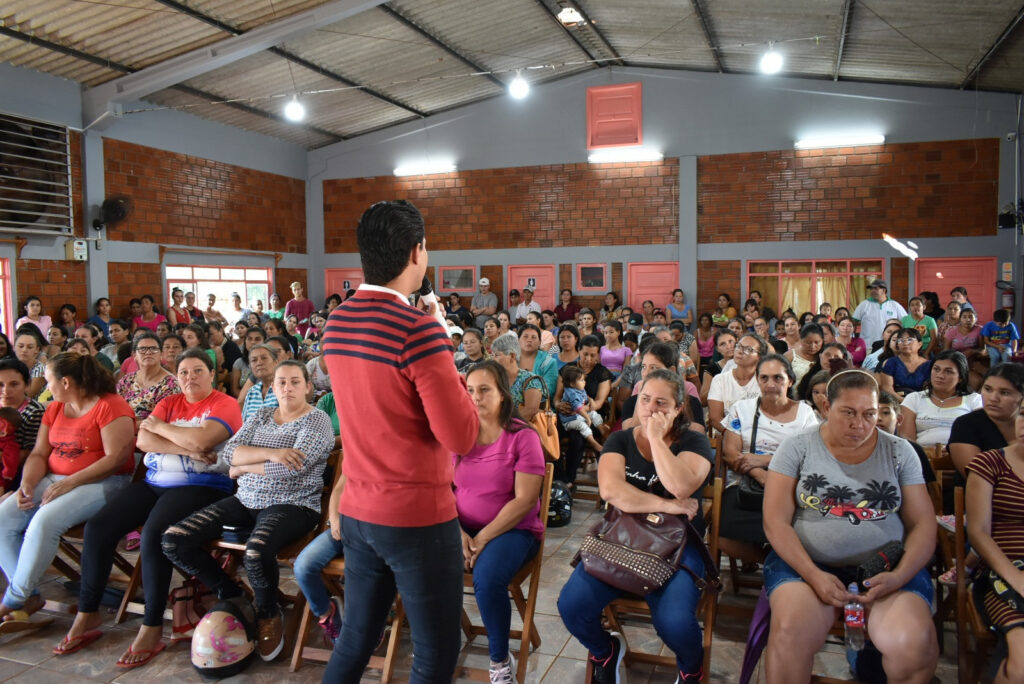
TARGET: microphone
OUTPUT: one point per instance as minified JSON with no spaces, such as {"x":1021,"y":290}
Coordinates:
{"x":426,"y":293}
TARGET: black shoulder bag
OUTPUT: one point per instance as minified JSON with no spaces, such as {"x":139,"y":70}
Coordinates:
{"x":750,"y":492}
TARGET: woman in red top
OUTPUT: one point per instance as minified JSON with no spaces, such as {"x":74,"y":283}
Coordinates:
{"x":566,"y":309}
{"x":82,"y":456}
{"x":177,"y":313}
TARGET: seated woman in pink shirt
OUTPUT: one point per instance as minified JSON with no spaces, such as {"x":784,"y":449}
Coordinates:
{"x":497,"y":494}
{"x":614,"y":354}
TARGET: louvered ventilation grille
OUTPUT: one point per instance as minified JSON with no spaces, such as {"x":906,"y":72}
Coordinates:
{"x":35,"y":172}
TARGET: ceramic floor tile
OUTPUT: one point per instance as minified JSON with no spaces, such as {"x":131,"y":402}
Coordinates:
{"x":11,"y":668}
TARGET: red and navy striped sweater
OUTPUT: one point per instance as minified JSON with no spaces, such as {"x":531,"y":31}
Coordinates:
{"x":402,"y":407}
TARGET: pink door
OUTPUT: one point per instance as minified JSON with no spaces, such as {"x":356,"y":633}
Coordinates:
{"x":977,"y":274}
{"x":651,"y":280}
{"x":540,"y":279}
{"x":338,"y":280}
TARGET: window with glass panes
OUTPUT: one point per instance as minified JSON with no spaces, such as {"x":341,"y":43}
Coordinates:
{"x":251,"y":284}
{"x":804,"y":285}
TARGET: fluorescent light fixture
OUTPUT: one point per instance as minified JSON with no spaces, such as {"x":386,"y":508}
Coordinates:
{"x":624,"y":154}
{"x":839,"y":141}
{"x":900,"y":247}
{"x":425,"y":168}
{"x":570,"y":17}
{"x":771,"y":62}
{"x":294,"y":111}
{"x":518,"y":88}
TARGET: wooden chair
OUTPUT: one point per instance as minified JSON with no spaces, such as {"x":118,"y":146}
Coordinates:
{"x":945,"y":471}
{"x":635,"y":609}
{"x":974,"y":639}
{"x":526,"y":604}
{"x":70,"y":545}
{"x":333,"y":575}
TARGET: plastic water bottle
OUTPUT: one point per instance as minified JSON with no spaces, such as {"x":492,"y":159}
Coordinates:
{"x":853,"y":617}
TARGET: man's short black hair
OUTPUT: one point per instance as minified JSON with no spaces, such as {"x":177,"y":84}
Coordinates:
{"x":387,"y":233}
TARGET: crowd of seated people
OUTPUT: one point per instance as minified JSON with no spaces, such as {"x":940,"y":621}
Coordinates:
{"x":234,"y":414}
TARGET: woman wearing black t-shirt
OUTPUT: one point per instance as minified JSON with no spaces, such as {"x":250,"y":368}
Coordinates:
{"x":657,"y":466}
{"x":990,"y":427}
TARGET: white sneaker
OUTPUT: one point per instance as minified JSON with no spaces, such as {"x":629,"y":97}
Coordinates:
{"x":505,"y":672}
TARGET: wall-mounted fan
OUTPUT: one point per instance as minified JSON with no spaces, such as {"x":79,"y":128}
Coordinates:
{"x":113,"y":211}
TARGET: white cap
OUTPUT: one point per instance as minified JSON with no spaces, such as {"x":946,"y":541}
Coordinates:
{"x":484,"y":281}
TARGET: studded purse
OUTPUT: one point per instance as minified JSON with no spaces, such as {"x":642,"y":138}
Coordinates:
{"x":639,"y":552}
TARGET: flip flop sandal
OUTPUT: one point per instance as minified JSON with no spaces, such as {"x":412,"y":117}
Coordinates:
{"x":148,"y":653}
{"x":80,"y":642}
{"x":18,"y":621}
{"x":132,"y":541}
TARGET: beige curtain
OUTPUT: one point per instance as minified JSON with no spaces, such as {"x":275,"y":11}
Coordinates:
{"x":832,"y":289}
{"x":796,"y":294}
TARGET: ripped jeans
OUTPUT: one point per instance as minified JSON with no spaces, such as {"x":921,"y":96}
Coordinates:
{"x":273,"y":528}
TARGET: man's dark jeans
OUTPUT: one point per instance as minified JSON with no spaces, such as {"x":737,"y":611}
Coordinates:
{"x":424,"y":565}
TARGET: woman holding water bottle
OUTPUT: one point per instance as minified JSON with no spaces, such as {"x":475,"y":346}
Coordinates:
{"x":839,"y":502}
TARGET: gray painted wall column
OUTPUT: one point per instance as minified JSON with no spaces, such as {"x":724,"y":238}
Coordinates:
{"x":93,"y":189}
{"x":688,"y":227}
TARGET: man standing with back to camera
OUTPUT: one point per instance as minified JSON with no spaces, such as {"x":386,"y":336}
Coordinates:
{"x":403,"y":410}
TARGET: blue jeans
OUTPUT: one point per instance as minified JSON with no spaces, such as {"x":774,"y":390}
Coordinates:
{"x":308,"y":566}
{"x":997,"y":355}
{"x":778,"y":572}
{"x":500,"y":560}
{"x":424,"y":565}
{"x":673,"y":612}
{"x":29,"y":539}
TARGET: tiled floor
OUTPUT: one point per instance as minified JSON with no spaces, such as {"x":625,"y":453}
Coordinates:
{"x":27,"y":658}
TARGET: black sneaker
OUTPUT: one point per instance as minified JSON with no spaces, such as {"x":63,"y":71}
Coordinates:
{"x":607,"y":670}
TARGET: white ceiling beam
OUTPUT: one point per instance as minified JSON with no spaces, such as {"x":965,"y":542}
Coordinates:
{"x":102,"y":101}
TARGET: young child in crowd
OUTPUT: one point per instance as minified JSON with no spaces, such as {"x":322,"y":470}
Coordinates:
{"x":574,"y":393}
{"x":10,"y":450}
{"x":1000,"y":337}
{"x":825,"y":309}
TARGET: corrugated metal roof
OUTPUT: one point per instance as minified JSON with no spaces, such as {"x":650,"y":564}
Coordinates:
{"x":410,"y":70}
{"x":233,"y":117}
{"x":502,"y":35}
{"x":922,"y":42}
{"x":661,"y":32}
{"x":139,"y":35}
{"x":374,"y":48}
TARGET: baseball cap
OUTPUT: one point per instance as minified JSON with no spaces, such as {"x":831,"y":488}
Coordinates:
{"x":636,"y":320}
{"x":878,"y":283}
{"x":484,"y":281}
{"x":528,"y":289}
{"x":513,"y":291}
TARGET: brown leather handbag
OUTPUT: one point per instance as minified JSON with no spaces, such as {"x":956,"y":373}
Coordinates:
{"x":639,"y":552}
{"x":544,"y":423}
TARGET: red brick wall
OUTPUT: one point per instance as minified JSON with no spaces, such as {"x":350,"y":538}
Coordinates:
{"x":536,"y":206}
{"x":931,"y":189}
{"x":899,"y":280}
{"x":714,"y":278}
{"x":129,"y":280}
{"x":180,"y":199}
{"x":55,"y":283}
{"x":284,"y":277}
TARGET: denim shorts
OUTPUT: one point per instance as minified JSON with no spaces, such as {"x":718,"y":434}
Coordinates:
{"x":777,"y":572}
